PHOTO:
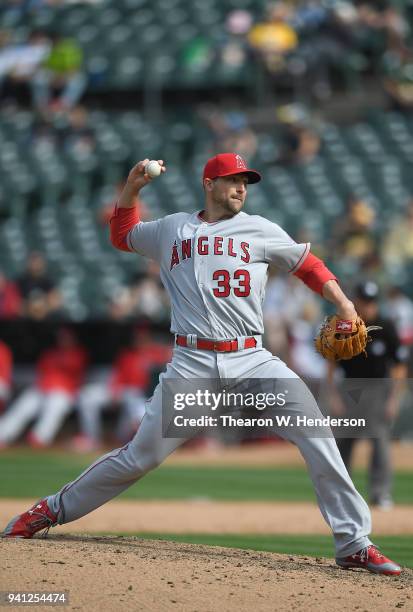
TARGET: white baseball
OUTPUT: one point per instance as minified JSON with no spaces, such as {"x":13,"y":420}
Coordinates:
{"x":152,"y":168}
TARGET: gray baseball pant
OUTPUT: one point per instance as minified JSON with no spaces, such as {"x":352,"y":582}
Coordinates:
{"x":343,"y":508}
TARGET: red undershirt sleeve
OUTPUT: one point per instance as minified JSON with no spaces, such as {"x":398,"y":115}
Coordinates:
{"x":314,"y":273}
{"x":121,"y":222}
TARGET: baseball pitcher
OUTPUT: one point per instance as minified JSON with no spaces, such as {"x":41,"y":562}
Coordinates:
{"x":214,"y":265}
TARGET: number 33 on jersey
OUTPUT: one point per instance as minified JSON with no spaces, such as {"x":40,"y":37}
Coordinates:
{"x":216,"y":272}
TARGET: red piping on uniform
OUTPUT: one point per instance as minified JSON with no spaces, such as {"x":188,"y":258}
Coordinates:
{"x":314,"y":273}
{"x":121,"y":223}
{"x":61,"y":512}
{"x":302,"y":258}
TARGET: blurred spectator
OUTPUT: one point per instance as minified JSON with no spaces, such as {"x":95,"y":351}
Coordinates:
{"x":61,"y":72}
{"x":397,"y":62}
{"x":69,"y":133}
{"x":197,"y":55}
{"x":149,"y":297}
{"x":238,"y":22}
{"x":303,"y":359}
{"x":75,"y":134}
{"x":230,"y":131}
{"x":275,"y":37}
{"x":385,"y":25}
{"x":399,"y":308}
{"x":10,"y":298}
{"x":41,"y":298}
{"x":238,"y":136}
{"x":18,"y":62}
{"x":398,"y":83}
{"x":233,"y":48}
{"x":369,"y":34}
{"x":398,"y":246}
{"x":321,"y":46}
{"x":387,"y":359}
{"x":291,"y":315}
{"x":297,"y":143}
{"x":59,"y":374}
{"x":304,"y":144}
{"x":6,"y":56}
{"x":145,"y":297}
{"x":310,"y":15}
{"x":275,"y":315}
{"x":370,"y":266}
{"x":353,"y":234}
{"x":300,"y":144}
{"x":128,"y":387}
{"x":6,"y":366}
{"x":120,"y":304}
{"x":327,"y":57}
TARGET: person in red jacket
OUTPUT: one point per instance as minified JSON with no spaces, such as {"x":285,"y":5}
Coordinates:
{"x":10,"y":298}
{"x":59,"y":374}
{"x":6,"y":365}
{"x":127,"y":386}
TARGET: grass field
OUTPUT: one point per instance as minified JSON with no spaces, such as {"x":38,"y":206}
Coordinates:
{"x":36,"y":474}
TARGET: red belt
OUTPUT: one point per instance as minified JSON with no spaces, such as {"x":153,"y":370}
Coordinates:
{"x":219,"y":346}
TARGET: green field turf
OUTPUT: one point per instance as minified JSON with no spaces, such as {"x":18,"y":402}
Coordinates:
{"x":36,"y":474}
{"x":398,"y":548}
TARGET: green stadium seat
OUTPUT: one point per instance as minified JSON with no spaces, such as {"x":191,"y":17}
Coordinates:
{"x":174,"y":18}
{"x":125,"y":71}
{"x":119,"y":36}
{"x":134,"y":5}
{"x":161,"y":67}
{"x":76,"y":17}
{"x":141,"y":19}
{"x":183,"y":33}
{"x":108,"y":18}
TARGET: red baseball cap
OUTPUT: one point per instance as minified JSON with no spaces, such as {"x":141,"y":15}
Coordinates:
{"x":226,"y":164}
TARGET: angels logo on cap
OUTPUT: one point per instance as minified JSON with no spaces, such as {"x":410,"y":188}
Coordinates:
{"x":226,"y":164}
{"x":240,"y":163}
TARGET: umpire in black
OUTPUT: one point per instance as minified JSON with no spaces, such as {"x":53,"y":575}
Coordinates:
{"x":386,"y":359}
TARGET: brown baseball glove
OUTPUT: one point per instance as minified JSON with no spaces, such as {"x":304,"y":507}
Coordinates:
{"x":339,"y":339}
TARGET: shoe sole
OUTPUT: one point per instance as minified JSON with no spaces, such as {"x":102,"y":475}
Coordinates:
{"x":8,"y":531}
{"x":370,"y":569}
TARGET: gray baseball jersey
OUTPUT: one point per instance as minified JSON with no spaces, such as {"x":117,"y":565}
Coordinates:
{"x":215,"y":273}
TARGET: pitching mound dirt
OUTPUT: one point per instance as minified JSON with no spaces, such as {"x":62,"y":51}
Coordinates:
{"x":112,"y":573}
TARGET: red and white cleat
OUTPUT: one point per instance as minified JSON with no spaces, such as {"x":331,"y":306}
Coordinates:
{"x":371,"y":559}
{"x":25,"y":525}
